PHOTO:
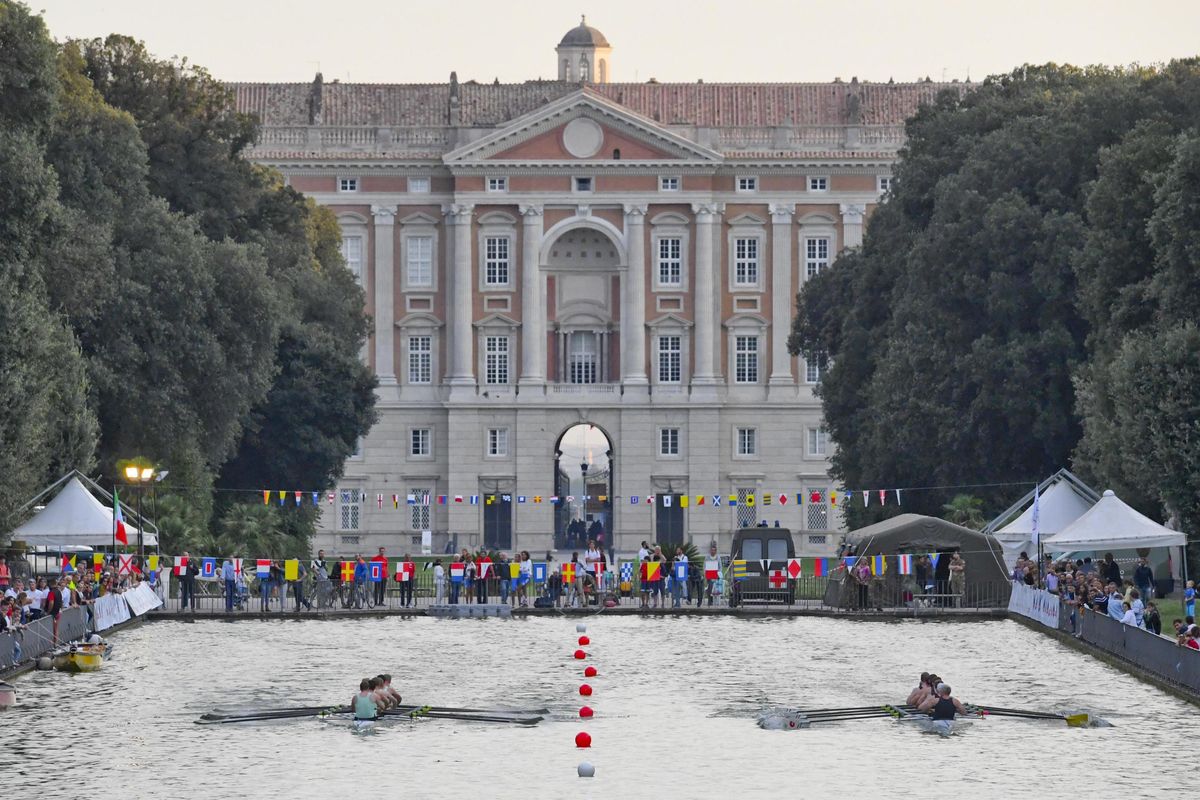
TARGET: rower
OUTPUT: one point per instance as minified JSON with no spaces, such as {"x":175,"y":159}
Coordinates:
{"x":363,"y":703}
{"x":389,"y":691}
{"x":382,"y":700}
{"x":921,"y":693}
{"x":942,"y":706}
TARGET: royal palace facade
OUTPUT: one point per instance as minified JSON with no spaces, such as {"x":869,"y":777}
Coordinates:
{"x":581,"y":293}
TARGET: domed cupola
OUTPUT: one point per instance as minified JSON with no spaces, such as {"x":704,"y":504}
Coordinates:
{"x":584,"y":55}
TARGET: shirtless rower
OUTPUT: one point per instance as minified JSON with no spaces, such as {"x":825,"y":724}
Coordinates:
{"x":381,"y":698}
{"x":921,"y":693}
{"x":389,"y":691}
{"x":942,"y":706}
{"x":363,"y":703}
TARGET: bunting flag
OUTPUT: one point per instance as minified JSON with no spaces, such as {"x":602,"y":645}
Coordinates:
{"x":180,"y":566}
{"x":316,"y":499}
{"x":376,"y":571}
{"x":666,"y":498}
{"x":570,"y":499}
{"x":441,"y":500}
{"x":474,"y":499}
{"x":849,"y":561}
{"x":793,"y":568}
{"x":766,"y":499}
{"x":514,"y":571}
{"x":904,"y":564}
{"x":237,"y":565}
{"x":537,"y":499}
{"x":883,"y":497}
{"x":783,"y":498}
{"x":649,"y":499}
{"x":68,"y":564}
{"x":568,"y":572}
{"x":651,"y":571}
{"x":330,"y":497}
{"x":482,"y":567}
{"x":458,"y":498}
{"x":299,"y":495}
{"x":683,"y":501}
{"x":626,"y":572}
{"x":764,"y":564}
{"x":833,"y":498}
{"x":716,"y":498}
{"x":878,"y":565}
{"x":282,"y":496}
{"x":897,"y":497}
{"x":933,"y":558}
{"x":814,"y":497}
{"x":633,"y":500}
{"x":456,"y":572}
{"x":778,"y":580}
{"x":732,"y":500}
{"x":739,"y":570}
{"x":208,"y":568}
{"x":554,"y":500}
{"x":126,"y":565}
{"x":539,"y":572}
{"x":712,"y":569}
{"x":291,"y":569}
{"x":98,"y":562}
{"x":681,"y":571}
{"x":347,"y":570}
{"x":520,"y":499}
{"x":750,"y":499}
{"x":506,"y":498}
{"x":119,"y":533}
{"x":262,"y":568}
{"x":425,"y":499}
{"x":699,"y":499}
{"x":266,"y":497}
{"x":379,"y":500}
{"x":820,"y":567}
{"x":866,"y":497}
{"x":489,"y":499}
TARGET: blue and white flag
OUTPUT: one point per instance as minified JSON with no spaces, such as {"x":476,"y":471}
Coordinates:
{"x":633,"y":500}
{"x":1035,"y":520}
{"x":627,"y":571}
{"x":208,"y":568}
{"x":539,"y":572}
{"x":681,"y":571}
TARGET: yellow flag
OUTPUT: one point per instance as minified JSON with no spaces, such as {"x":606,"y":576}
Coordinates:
{"x":152,"y":562}
{"x":514,"y":570}
{"x":291,"y":570}
{"x":683,"y":501}
{"x":750,"y":499}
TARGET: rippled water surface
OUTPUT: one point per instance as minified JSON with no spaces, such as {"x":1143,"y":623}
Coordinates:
{"x":675,"y":702}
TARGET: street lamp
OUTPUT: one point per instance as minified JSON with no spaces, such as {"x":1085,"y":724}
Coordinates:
{"x":139,"y":475}
{"x":583,"y":468}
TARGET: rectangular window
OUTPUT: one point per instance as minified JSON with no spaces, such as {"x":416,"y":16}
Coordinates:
{"x":747,"y":441}
{"x":747,"y":183}
{"x":420,"y":261}
{"x":497,"y":184}
{"x":668,"y":184}
{"x":352,"y":252}
{"x":668,"y":441}
{"x":583,"y":358}
{"x":818,"y":441}
{"x":670,"y":261}
{"x":420,"y":442}
{"x":583,"y":184}
{"x":347,"y":184}
{"x":419,"y":511}
{"x":745,"y":359}
{"x":670,"y":359}
{"x":358,"y":449}
{"x":745,"y":513}
{"x":818,"y":184}
{"x":496,"y":356}
{"x":745,"y":262}
{"x":816,"y":503}
{"x":420,"y":359}
{"x":816,"y":255}
{"x":418,"y":185}
{"x":497,"y":442}
{"x":818,"y":539}
{"x":496,"y":260}
{"x":814,"y":365}
{"x":349,"y":509}
{"x":885,"y":183}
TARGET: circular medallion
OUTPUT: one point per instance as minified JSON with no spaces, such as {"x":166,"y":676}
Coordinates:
{"x":582,"y":137}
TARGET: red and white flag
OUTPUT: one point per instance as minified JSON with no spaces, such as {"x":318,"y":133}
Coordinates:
{"x":404,"y":571}
{"x":119,"y":521}
{"x":180,"y":566}
{"x":793,"y":568}
{"x":126,"y":565}
{"x":778,"y":580}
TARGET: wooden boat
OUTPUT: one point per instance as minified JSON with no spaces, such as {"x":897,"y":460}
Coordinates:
{"x":82,"y":657}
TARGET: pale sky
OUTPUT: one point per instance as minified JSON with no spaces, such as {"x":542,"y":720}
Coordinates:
{"x":398,"y":41}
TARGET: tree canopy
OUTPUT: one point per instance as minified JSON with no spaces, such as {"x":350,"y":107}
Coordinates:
{"x":1036,"y":257}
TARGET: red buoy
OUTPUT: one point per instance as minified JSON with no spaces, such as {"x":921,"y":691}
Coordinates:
{"x":586,"y":712}
{"x":580,"y":654}
{"x":582,"y":739}
{"x":590,"y":672}
{"x":585,"y":690}
{"x":584,"y":640}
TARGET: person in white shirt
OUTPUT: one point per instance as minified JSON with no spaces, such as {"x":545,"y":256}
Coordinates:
{"x":1138,"y":608}
{"x":643,"y":552}
{"x":592,"y":558}
{"x":17,"y":587}
{"x":439,"y":582}
{"x":38,"y":597}
{"x":1128,"y":617}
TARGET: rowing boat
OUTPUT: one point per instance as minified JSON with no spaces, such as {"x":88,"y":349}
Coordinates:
{"x":82,"y":657}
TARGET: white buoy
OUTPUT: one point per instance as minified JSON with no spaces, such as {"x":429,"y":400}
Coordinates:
{"x":586,"y":770}
{"x":581,"y":628}
{"x":44,"y":663}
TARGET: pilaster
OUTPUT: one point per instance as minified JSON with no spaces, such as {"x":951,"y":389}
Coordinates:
{"x":385,"y":293}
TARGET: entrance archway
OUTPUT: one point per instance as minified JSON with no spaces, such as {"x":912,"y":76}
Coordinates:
{"x":583,"y":483}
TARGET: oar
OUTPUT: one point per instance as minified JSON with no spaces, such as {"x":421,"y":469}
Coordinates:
{"x":847,"y":718}
{"x":465,"y":717}
{"x":875,"y":712}
{"x":1016,"y":712}
{"x":301,"y":711}
{"x":837,"y":710}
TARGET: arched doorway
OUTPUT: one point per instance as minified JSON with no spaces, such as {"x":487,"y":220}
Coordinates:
{"x":583,"y":483}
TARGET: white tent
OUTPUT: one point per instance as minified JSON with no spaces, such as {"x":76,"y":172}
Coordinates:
{"x":75,"y":518}
{"x":1059,"y":506}
{"x":1113,"y":525}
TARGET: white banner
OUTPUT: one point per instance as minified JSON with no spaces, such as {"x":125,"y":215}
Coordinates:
{"x":1037,"y":604}
{"x":110,"y":610}
{"x":142,"y":599}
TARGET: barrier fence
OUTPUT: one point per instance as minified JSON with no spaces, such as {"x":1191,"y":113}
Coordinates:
{"x":1158,"y":655}
{"x":38,"y":637}
{"x":898,"y":593}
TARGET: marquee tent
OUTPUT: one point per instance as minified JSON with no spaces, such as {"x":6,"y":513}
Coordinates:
{"x":1113,"y":525}
{"x":75,"y":518}
{"x":1061,"y":502}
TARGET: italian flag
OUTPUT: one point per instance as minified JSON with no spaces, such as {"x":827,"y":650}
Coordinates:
{"x":119,"y":520}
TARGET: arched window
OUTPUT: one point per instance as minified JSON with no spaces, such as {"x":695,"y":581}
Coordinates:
{"x":584,"y":71}
{"x":565,"y":72}
{"x":616,"y":154}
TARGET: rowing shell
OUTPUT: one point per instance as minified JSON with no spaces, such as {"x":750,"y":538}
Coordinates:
{"x":942,"y":727}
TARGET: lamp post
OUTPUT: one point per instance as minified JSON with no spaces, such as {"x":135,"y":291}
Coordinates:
{"x":583,"y":468}
{"x":139,"y":475}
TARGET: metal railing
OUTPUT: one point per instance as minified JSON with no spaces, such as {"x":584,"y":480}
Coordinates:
{"x":1158,"y":655}
{"x":38,"y":637}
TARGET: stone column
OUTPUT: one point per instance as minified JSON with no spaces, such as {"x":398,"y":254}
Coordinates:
{"x":708,"y":216}
{"x":852,"y":224}
{"x":385,"y":293}
{"x":781,"y":293}
{"x":462,"y":370}
{"x":633,"y":300}
{"x":533,"y":301}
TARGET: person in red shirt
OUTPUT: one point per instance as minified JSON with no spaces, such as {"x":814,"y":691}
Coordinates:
{"x":1192,"y":635}
{"x":381,"y":587}
{"x":482,"y":575}
{"x":5,"y":574}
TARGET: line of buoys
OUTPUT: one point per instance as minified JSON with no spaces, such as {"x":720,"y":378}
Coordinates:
{"x":583,"y":739}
